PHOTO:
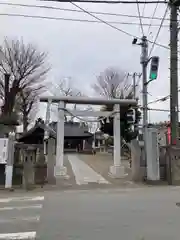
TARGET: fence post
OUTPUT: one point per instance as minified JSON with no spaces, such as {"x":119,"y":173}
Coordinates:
{"x":10,"y":161}
{"x":137,"y":172}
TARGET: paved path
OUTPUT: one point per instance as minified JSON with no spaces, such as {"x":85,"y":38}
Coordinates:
{"x":83,"y":173}
{"x":19,"y":217}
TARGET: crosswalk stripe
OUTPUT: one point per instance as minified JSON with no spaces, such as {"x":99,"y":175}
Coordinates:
{"x":21,"y":207}
{"x":28,"y":203}
{"x":17,"y":236}
{"x":20,"y":199}
{"x":27,"y":219}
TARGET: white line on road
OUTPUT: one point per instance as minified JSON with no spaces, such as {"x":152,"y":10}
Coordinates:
{"x":22,"y":235}
{"x":20,"y":199}
{"x":27,"y":219}
{"x":83,"y":173}
{"x":21,"y":208}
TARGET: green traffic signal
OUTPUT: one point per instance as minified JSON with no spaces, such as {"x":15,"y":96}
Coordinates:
{"x":154,"y":68}
{"x":153,"y":76}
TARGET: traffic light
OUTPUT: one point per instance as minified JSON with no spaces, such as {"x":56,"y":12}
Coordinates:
{"x":131,"y":116}
{"x":154,"y":68}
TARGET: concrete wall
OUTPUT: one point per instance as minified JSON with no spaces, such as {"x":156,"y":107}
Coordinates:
{"x":139,"y":172}
{"x":173,"y":164}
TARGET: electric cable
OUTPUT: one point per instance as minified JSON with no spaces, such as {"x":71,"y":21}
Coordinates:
{"x":107,"y":1}
{"x":114,"y":27}
{"x":79,"y":11}
{"x":153,"y":15}
{"x":140,"y":20}
{"x":158,"y":32}
{"x":74,"y":19}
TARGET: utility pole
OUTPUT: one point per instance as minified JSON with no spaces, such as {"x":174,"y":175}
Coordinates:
{"x":174,"y":71}
{"x":135,"y":83}
{"x":151,"y":156}
{"x":144,"y":62}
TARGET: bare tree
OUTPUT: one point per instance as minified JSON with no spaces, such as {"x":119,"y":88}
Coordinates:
{"x":66,"y":87}
{"x":112,"y":83}
{"x":25,"y":65}
{"x":26,"y":106}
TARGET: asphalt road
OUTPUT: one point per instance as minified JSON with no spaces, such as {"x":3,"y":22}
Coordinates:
{"x":111,"y":214}
{"x":134,"y":214}
{"x":19,"y":216}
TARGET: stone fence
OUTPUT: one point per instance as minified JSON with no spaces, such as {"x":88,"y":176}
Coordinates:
{"x":169,"y":161}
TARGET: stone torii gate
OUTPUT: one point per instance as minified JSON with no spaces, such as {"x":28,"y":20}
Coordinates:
{"x":116,"y":170}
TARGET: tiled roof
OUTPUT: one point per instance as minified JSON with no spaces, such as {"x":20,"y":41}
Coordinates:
{"x":70,"y":130}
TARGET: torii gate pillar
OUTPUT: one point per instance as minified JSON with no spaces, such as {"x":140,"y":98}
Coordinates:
{"x":117,"y":169}
{"x":59,"y":169}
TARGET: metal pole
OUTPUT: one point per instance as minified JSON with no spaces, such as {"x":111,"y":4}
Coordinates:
{"x":134,"y":85}
{"x":144,"y":62}
{"x":174,"y":74}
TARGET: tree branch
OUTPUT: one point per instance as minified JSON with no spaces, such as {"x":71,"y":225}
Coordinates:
{"x":26,"y":66}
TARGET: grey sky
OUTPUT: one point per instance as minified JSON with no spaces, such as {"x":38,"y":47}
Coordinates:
{"x":83,"y":50}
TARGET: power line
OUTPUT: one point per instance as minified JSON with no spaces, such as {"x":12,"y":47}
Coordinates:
{"x":74,"y":19}
{"x":153,"y":15}
{"x":157,"y":109}
{"x":102,"y":21}
{"x":99,"y":19}
{"x":143,"y":9}
{"x":116,"y":28}
{"x":107,"y":1}
{"x":140,"y":20}
{"x":163,"y":99}
{"x":157,"y":35}
{"x":80,"y":11}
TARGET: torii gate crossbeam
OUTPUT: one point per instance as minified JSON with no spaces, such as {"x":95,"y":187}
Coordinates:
{"x":88,"y":100}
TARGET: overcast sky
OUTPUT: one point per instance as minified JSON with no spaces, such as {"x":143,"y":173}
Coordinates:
{"x":83,"y":50}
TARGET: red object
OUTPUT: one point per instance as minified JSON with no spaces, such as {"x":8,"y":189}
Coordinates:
{"x":169,"y":135}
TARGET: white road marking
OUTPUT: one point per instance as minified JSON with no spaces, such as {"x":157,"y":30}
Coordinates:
{"x":21,"y":207}
{"x":83,"y":173}
{"x":27,"y":219}
{"x":19,"y":219}
{"x":20,"y":199}
{"x":20,"y":235}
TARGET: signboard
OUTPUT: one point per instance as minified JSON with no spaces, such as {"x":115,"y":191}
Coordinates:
{"x":3,"y":150}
